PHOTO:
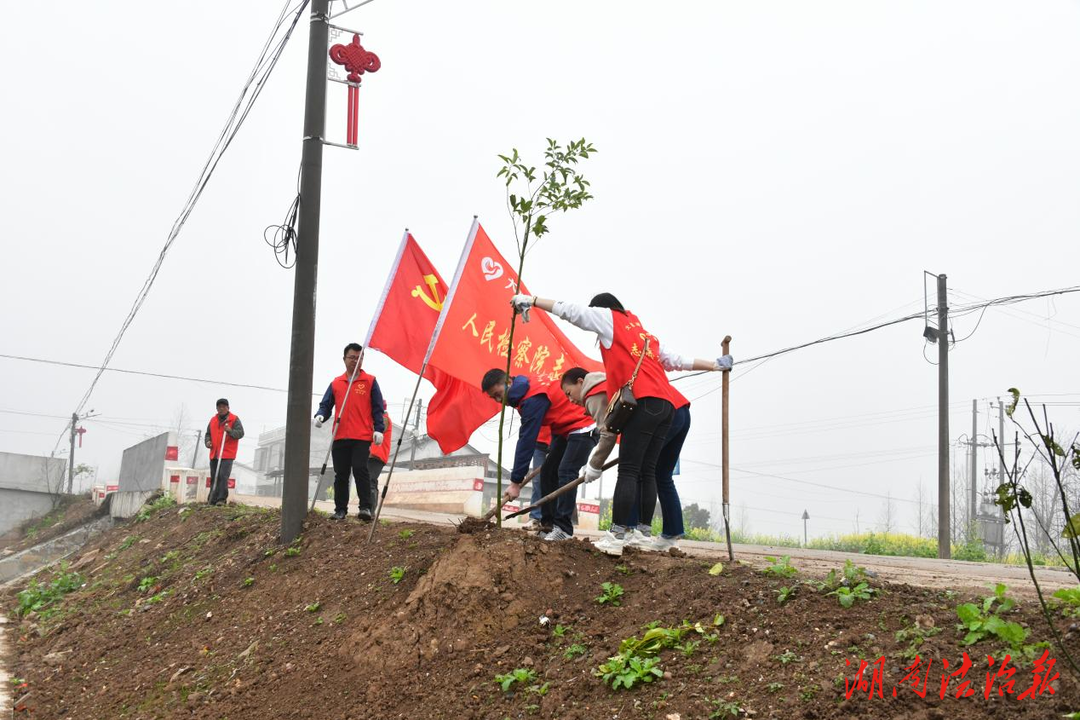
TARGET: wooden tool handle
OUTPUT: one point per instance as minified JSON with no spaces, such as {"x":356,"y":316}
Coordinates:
{"x":506,"y":496}
{"x":564,"y":489}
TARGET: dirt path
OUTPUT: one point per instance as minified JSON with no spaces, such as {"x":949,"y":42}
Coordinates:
{"x":925,"y":572}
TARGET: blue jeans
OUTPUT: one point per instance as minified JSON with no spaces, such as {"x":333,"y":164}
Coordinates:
{"x":567,"y":455}
{"x":666,"y":493}
{"x":539,"y":454}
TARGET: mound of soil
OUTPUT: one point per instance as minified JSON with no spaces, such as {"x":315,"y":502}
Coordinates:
{"x":201,"y":614}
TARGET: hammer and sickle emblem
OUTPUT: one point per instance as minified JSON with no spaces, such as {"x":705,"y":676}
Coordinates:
{"x":434,"y":301}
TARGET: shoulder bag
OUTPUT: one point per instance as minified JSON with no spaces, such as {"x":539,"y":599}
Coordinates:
{"x":623,"y":403}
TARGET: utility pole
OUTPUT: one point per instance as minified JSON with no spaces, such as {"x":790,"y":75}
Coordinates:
{"x":416,"y":432}
{"x":302,"y":353}
{"x":805,"y":517}
{"x":71,"y":453}
{"x":198,"y":442}
{"x":1001,"y":440}
{"x":974,"y":460}
{"x":944,"y":540}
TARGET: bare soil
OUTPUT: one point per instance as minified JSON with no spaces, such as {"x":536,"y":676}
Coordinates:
{"x":232,"y":625}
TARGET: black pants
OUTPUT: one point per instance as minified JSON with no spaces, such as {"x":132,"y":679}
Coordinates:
{"x":351,"y":456}
{"x":563,"y":464}
{"x":642,"y":441}
{"x":219,"y":484}
{"x":374,"y":469}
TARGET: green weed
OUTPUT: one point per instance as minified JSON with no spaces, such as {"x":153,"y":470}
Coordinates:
{"x":611,"y":594}
{"x":518,"y":676}
{"x":782,"y":567}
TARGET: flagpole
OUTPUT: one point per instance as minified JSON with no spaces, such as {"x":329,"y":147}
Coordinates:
{"x":393,"y":463}
{"x":360,"y":361}
{"x":423,"y":368}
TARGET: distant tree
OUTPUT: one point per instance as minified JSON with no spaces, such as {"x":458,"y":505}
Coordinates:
{"x":695,"y":517}
{"x":887,"y":517}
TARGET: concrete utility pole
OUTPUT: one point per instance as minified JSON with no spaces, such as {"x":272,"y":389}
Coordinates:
{"x":974,"y":459}
{"x":1001,"y":440}
{"x":944,"y":539}
{"x":805,"y":517}
{"x":302,"y":353}
{"x":198,"y":442}
{"x":71,"y":453}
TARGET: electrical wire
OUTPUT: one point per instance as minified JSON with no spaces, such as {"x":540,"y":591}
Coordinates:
{"x":257,"y":77}
{"x":282,"y":238}
{"x":958,"y":312}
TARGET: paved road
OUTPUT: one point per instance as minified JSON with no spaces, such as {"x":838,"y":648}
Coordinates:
{"x":925,"y":572}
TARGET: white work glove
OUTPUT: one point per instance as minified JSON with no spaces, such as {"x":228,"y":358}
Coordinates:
{"x":521,"y":304}
{"x":377,"y":438}
{"x":724,"y":362}
{"x":592,"y":473}
{"x":513,"y":490}
{"x":319,"y":420}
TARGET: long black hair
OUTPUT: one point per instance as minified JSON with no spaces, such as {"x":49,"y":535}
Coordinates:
{"x":607,"y":300}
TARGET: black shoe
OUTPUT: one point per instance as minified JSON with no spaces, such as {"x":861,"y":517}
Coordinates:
{"x":364,"y":515}
{"x":338,"y":515}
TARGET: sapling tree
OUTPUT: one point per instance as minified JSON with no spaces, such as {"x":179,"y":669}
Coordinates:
{"x":532,"y":196}
{"x":1043,"y":445}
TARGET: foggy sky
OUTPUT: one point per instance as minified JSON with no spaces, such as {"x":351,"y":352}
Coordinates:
{"x":775,"y":171}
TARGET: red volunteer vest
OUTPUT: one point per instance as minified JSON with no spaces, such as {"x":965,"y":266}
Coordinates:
{"x":597,"y":389}
{"x":563,"y":417}
{"x":383,"y":451}
{"x":356,"y":423}
{"x":216,"y":433}
{"x":621,"y":358}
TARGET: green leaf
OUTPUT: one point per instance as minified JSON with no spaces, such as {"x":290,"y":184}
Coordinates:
{"x":846,"y":600}
{"x":1011,"y":408}
{"x":968,"y":613}
{"x":972,"y":637}
{"x":1052,"y":446}
{"x":1012,"y":633}
{"x":716,"y":569}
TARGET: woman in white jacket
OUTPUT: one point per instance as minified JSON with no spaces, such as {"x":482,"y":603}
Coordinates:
{"x":628,"y":350}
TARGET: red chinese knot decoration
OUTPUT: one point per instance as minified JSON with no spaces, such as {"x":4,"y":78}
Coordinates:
{"x":357,"y":61}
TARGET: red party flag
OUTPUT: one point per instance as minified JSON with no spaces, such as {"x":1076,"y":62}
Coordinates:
{"x":473,"y":334}
{"x":402,"y":328}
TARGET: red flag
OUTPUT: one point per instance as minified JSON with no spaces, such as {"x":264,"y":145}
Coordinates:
{"x":473,"y":332}
{"x":402,"y":329}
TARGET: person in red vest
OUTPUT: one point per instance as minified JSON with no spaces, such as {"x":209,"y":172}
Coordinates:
{"x":358,"y":426}
{"x":623,"y":342}
{"x":223,"y":434}
{"x":545,"y":404}
{"x":380,"y":455}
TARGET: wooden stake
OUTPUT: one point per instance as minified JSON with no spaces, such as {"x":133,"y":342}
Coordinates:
{"x":724,"y":456}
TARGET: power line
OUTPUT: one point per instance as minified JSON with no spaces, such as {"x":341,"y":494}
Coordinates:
{"x":143,"y":373}
{"x":957,"y":312}
{"x":808,"y":482}
{"x":264,"y":66}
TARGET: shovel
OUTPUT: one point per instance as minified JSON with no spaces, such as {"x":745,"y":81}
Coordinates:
{"x":561,"y":491}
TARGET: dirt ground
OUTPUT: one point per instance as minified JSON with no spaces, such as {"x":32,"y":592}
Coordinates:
{"x":201,"y":614}
{"x":70,"y":514}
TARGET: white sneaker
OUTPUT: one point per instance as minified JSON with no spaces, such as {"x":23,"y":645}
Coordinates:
{"x":663,"y":544}
{"x":609,"y":544}
{"x":533,"y":524}
{"x":557,"y":534}
{"x":639,"y":540}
